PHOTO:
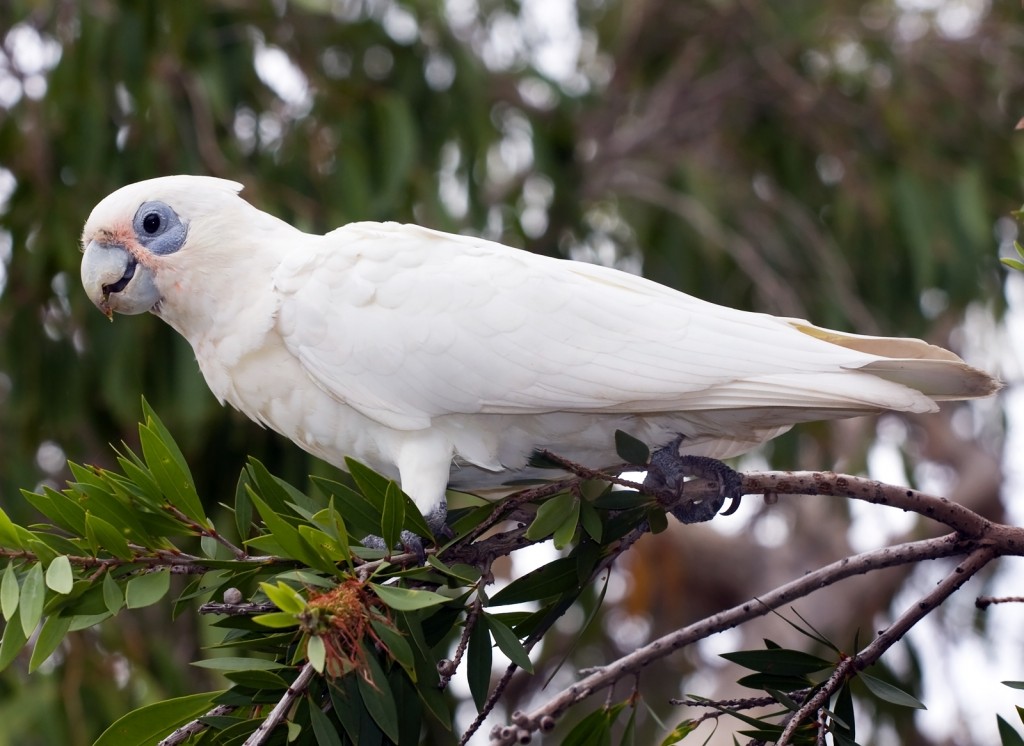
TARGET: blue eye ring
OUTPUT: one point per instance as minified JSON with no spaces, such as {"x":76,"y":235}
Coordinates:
{"x":158,"y":228}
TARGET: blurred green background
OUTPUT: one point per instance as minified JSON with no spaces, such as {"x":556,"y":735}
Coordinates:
{"x":850,"y":162}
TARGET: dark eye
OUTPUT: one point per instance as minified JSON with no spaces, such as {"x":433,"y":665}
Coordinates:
{"x":158,"y":227}
{"x":151,"y":223}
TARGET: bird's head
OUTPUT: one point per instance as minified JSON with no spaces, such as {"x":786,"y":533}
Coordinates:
{"x":137,"y":236}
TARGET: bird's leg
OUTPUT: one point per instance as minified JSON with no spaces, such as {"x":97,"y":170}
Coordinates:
{"x":668,"y":471}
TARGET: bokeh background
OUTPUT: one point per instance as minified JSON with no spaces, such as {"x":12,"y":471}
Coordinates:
{"x":850,"y":162}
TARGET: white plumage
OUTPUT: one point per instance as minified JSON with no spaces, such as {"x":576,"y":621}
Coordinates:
{"x":440,"y":359}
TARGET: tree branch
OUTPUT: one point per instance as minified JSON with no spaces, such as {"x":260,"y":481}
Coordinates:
{"x":848,"y":667}
{"x":280,"y":711}
{"x":998,"y":540}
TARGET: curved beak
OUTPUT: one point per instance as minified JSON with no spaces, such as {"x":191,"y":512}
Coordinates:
{"x":115,"y":281}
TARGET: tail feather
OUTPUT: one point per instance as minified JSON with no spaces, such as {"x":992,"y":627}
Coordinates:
{"x":934,"y":371}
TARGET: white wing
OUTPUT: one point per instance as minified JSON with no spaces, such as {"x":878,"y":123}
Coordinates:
{"x":406,"y":324}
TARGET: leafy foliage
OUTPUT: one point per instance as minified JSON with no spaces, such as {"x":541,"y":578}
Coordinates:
{"x":302,"y":590}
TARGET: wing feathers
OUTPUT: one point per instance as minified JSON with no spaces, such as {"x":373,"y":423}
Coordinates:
{"x":407,"y":324}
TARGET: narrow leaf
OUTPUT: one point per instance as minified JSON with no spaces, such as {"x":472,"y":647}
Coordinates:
{"x":50,"y":636}
{"x":397,"y":646}
{"x":107,"y":536}
{"x":551,"y":514}
{"x":405,"y":599}
{"x":478,"y":669}
{"x":630,"y":449}
{"x":284,"y":597}
{"x":276,"y":620}
{"x":778,"y":661}
{"x":147,"y":725}
{"x":890,"y":693}
{"x":113,"y":596}
{"x":564,"y":533}
{"x":680,"y":732}
{"x":552,"y":579}
{"x":9,"y":592}
{"x":1008,"y":736}
{"x":171,"y":475}
{"x":377,"y":697}
{"x":13,"y":641}
{"x":509,"y":643}
{"x":316,"y":653}
{"x":325,"y":731}
{"x":393,"y":515}
{"x":33,"y":594}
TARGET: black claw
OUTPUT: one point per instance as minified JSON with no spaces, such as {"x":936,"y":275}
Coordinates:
{"x":668,"y":471}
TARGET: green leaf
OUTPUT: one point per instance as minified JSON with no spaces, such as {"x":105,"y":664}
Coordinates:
{"x":509,"y":643}
{"x":13,"y":641}
{"x":361,"y":514}
{"x":478,"y":667}
{"x":657,"y":520}
{"x":890,"y":693}
{"x":10,"y":536}
{"x":392,"y":515}
{"x":1014,"y":684}
{"x":680,"y":732}
{"x":398,"y":647}
{"x":59,"y":577}
{"x":276,"y":620}
{"x":325,"y":731}
{"x":594,"y":729}
{"x":9,"y":592}
{"x":1008,"y":736}
{"x":620,"y":499}
{"x":50,"y":636}
{"x":170,"y":471}
{"x":230,"y":663}
{"x":552,"y":514}
{"x":552,"y":579}
{"x":147,"y":725}
{"x":591,"y":521}
{"x":147,"y":589}
{"x":1013,"y":263}
{"x":377,"y":697}
{"x":630,"y":449}
{"x":113,"y":596}
{"x":564,"y":533}
{"x":779,"y":662}
{"x":284,"y":597}
{"x":243,"y":506}
{"x":844,"y":711}
{"x":288,"y":537}
{"x":406,"y":599}
{"x":33,"y":594}
{"x":316,"y":653}
{"x":107,"y":536}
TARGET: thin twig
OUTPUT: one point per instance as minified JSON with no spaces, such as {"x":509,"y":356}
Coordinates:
{"x":983,"y":602}
{"x":911,"y":552}
{"x":203,"y":530}
{"x":447,"y":668}
{"x":216,"y":607}
{"x":848,"y":667}
{"x":280,"y":711}
{"x":196,"y":726}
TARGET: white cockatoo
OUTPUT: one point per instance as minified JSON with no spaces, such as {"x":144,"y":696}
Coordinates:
{"x":441,"y":359}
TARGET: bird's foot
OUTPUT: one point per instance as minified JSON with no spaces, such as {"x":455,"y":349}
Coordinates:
{"x":667,"y":473}
{"x":413,"y":543}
